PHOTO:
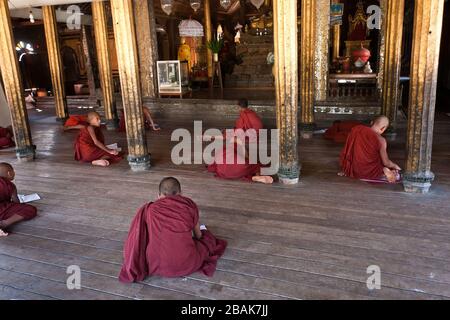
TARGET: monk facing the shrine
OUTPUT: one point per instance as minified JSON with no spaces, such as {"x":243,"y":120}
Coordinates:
{"x":166,"y":239}
{"x":90,"y":144}
{"x":365,"y":154}
{"x":11,"y":210}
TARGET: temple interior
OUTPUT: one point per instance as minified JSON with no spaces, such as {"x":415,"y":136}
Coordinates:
{"x":312,"y":234}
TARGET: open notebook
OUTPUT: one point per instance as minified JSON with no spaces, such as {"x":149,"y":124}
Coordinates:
{"x":28,"y":198}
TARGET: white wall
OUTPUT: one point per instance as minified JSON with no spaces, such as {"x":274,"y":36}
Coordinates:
{"x":5,"y":116}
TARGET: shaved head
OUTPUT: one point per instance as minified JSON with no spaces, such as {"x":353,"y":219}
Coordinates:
{"x":6,"y":170}
{"x":92,"y":115}
{"x":169,"y":187}
{"x":381,"y":121}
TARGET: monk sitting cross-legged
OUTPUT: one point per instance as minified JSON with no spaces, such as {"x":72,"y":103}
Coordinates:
{"x":90,"y":144}
{"x":166,"y":239}
{"x":6,"y":137}
{"x":11,"y":210}
{"x":365,"y":154}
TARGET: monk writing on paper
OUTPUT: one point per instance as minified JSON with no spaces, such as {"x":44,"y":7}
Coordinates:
{"x":365,"y":154}
{"x":232,"y":161}
{"x":90,"y":144}
{"x":166,"y":239}
{"x":11,"y":210}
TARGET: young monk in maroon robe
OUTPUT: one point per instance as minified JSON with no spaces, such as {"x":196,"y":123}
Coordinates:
{"x":11,"y":210}
{"x":166,"y":239}
{"x":6,"y":138}
{"x":148,"y":121}
{"x":365,"y":154}
{"x":248,"y":119}
{"x":76,"y":122}
{"x":90,"y":144}
{"x":340,"y":130}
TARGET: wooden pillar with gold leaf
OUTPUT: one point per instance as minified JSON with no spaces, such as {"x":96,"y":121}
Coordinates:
{"x":208,"y":37}
{"x":322,"y":32}
{"x":55,"y":62}
{"x":147,"y":46}
{"x":286,"y":88}
{"x":100,"y":22}
{"x":427,"y":32}
{"x":12,"y":82}
{"x":395,"y":10}
{"x":127,"y":56}
{"x":307,"y":73}
{"x":336,"y":38}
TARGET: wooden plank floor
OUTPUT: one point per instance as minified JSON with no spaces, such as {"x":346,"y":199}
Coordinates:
{"x":310,"y":241}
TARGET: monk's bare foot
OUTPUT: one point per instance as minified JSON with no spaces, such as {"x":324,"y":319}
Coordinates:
{"x":390,"y":175}
{"x":2,"y":233}
{"x":100,"y":163}
{"x":263,"y":179}
{"x":341,"y":174}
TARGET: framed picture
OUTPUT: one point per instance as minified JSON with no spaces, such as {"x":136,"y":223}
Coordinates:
{"x":173,"y":78}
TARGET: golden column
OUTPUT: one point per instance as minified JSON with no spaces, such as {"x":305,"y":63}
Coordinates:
{"x":322,"y":32}
{"x":208,"y":37}
{"x":100,"y":22}
{"x":55,"y":63}
{"x":393,"y":59}
{"x":307,"y":59}
{"x":9,"y":67}
{"x":336,"y":37}
{"x":422,"y":96}
{"x":127,"y":56}
{"x":147,"y":46}
{"x":286,"y":87}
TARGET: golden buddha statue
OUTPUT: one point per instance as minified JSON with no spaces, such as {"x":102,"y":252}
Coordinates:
{"x":184,"y":52}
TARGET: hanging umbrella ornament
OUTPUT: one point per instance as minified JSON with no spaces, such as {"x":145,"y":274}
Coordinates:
{"x":257,"y":3}
{"x":190,"y":28}
{"x":166,"y":6}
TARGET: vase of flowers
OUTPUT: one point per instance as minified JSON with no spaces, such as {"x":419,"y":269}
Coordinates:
{"x":215,"y":46}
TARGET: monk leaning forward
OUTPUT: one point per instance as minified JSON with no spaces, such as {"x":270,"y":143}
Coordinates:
{"x":365,"y":154}
{"x":166,"y":239}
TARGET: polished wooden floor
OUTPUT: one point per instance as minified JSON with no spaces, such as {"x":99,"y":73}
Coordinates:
{"x":310,"y":241}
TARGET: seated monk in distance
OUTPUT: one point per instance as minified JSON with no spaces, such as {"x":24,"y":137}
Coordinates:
{"x":6,"y":137}
{"x":11,"y":210}
{"x":365,"y":154}
{"x":166,"y":239}
{"x":147,"y":117}
{"x":90,"y":144}
{"x":340,"y":130}
{"x":76,"y":122}
{"x":237,"y":169}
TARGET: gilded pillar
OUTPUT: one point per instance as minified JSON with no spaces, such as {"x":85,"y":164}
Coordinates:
{"x":286,"y":87}
{"x":322,"y":32}
{"x":12,"y":82}
{"x":208,"y":37}
{"x":147,"y":46}
{"x":427,"y":32}
{"x":392,"y":59}
{"x":100,"y":22}
{"x":336,"y":38}
{"x":307,"y":72}
{"x":382,"y":49}
{"x":55,"y":62}
{"x":127,"y":56}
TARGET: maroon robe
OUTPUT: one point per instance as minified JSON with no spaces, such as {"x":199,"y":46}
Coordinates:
{"x":248,"y":119}
{"x":340,"y":130}
{"x":9,"y":208}
{"x":361,"y":158}
{"x":87,"y":151}
{"x":122,"y":126}
{"x":160,"y":242}
{"x":6,"y":140}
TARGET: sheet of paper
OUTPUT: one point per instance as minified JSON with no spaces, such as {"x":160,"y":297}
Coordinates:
{"x":28,"y":198}
{"x":114,"y":146}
